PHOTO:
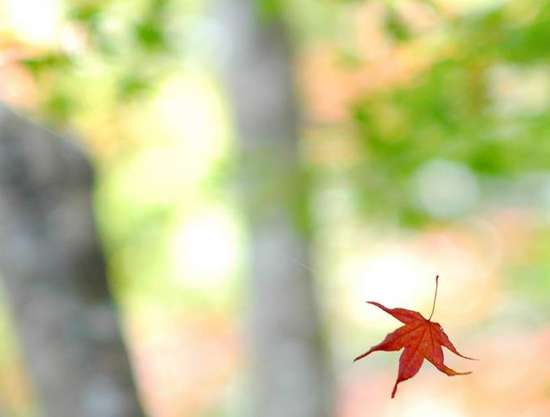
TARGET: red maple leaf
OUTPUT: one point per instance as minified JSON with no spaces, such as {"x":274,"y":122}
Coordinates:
{"x":421,"y":339}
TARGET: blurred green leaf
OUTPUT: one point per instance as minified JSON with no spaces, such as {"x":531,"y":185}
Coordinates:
{"x":395,"y":26}
{"x":46,"y":63}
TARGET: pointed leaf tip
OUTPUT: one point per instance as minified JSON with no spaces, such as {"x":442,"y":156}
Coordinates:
{"x":420,"y":338}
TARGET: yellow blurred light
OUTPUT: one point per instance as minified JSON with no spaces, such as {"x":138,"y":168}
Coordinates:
{"x":157,"y":175}
{"x":432,"y":409}
{"x":189,"y":108}
{"x":205,"y":249}
{"x":181,"y":134}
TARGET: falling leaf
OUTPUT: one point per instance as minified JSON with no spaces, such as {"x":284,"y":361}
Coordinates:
{"x":420,"y":338}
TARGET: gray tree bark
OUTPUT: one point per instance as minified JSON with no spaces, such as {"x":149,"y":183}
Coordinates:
{"x":290,"y":366}
{"x":54,"y":275}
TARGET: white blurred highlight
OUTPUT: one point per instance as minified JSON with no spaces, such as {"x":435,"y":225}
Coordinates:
{"x":432,"y":409}
{"x":205,"y":249}
{"x":445,"y":189}
{"x":391,"y":275}
{"x":34,"y":21}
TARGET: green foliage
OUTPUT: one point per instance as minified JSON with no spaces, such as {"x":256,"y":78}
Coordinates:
{"x":270,"y":9}
{"x":395,"y":26}
{"x":451,"y":111}
{"x":150,"y":31}
{"x":48,"y":62}
{"x":455,"y":111}
{"x":129,"y":48}
{"x":529,"y":277}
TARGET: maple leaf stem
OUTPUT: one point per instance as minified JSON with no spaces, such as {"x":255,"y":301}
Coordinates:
{"x":435,"y":296}
{"x":420,"y":339}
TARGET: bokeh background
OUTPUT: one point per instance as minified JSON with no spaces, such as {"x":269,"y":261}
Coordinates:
{"x":264,"y":167}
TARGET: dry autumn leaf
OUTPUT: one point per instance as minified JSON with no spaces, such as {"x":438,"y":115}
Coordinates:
{"x":421,"y":339}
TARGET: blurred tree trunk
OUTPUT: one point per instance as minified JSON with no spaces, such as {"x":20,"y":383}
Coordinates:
{"x":290,"y":369}
{"x":54,"y":275}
